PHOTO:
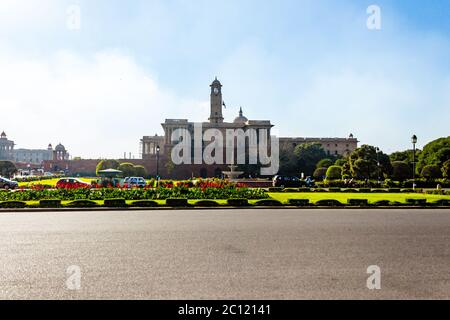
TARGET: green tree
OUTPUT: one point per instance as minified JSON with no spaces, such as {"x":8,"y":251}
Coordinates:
{"x":405,"y":156}
{"x":334,"y":173}
{"x":431,"y":172}
{"x":341,"y":162}
{"x":128,"y":169}
{"x":107,"y":164}
{"x":401,"y":171}
{"x":325,"y":163}
{"x":7,"y":169}
{"x":434,"y":153}
{"x":288,"y":162}
{"x":446,"y":169}
{"x":140,"y":171}
{"x":308,"y":155}
{"x":320,"y":173}
{"x":364,"y":163}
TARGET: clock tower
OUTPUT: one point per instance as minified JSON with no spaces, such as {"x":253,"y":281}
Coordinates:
{"x":216,"y":102}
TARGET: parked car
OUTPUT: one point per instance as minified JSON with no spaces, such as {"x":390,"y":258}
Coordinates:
{"x":8,"y":184}
{"x":287,"y":181}
{"x":71,"y":183}
{"x":135,"y":182}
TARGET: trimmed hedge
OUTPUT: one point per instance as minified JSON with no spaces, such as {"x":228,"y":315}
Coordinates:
{"x":417,"y":202}
{"x":408,"y":191}
{"x":382,"y":203}
{"x":304,"y":189}
{"x":329,"y":203}
{"x":115,"y":203}
{"x":276,"y":189}
{"x":50,"y":203}
{"x":378,"y":190}
{"x":82,"y":204}
{"x":177,"y":202}
{"x":299,"y":202}
{"x":206,"y":203}
{"x":334,"y":189}
{"x":350,"y":190}
{"x":144,"y":204}
{"x":13,"y":204}
{"x":364,"y":190}
{"x":320,"y":190}
{"x":291,"y":190}
{"x":442,"y":202}
{"x":237,"y":202}
{"x":394,"y":190}
{"x":358,"y":202}
{"x":269,"y":203}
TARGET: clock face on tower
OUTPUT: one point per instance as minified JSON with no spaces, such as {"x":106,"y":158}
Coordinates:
{"x":216,"y":91}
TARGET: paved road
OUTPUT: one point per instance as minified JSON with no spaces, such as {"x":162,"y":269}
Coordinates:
{"x":227,"y":254}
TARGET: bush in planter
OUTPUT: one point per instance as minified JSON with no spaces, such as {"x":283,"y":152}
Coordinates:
{"x":177,"y":202}
{"x":237,"y":202}
{"x":382,"y":203}
{"x":358,"y":202}
{"x":12,"y":204}
{"x":269,"y":203}
{"x":82,"y":204}
{"x":50,"y":203}
{"x":416,"y":202}
{"x":144,"y":204}
{"x":115,"y":203}
{"x":299,"y":202}
{"x":206,"y":203}
{"x":328,"y":203}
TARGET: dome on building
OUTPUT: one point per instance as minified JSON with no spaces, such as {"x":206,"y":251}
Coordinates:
{"x":60,"y":147}
{"x":241,"y":119}
{"x":216,"y":83}
{"x":3,"y":135}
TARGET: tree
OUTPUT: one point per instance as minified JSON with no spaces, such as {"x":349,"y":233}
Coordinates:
{"x":446,"y":169}
{"x":140,"y":171}
{"x":325,"y":163}
{"x":431,"y":172}
{"x":334,"y":173}
{"x":364,"y":163}
{"x":434,"y":153}
{"x":107,"y":164}
{"x":341,"y":162}
{"x":7,"y":169}
{"x":128,"y":169}
{"x":308,"y":155}
{"x":288,"y":162}
{"x":401,"y":171}
{"x":405,"y":156}
{"x":320,"y":173}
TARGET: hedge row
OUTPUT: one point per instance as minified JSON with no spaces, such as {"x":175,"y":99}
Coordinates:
{"x":183,"y":202}
{"x":360,"y":190}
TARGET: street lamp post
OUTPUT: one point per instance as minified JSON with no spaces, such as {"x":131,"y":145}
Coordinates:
{"x":158,"y":149}
{"x":414,"y":141}
{"x":378,"y":164}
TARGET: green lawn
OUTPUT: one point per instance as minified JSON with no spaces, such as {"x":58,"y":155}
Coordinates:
{"x":343,"y":197}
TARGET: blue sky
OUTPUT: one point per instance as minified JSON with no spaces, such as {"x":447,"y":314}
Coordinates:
{"x":312,"y":67}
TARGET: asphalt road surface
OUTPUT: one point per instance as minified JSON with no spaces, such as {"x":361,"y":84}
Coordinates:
{"x":225,"y":254}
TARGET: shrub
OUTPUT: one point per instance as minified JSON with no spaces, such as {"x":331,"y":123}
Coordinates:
{"x":177,"y":202}
{"x":328,"y":203}
{"x":304,"y":189}
{"x":291,"y":190}
{"x":276,"y":189}
{"x":334,"y":189}
{"x":320,"y":173}
{"x":206,"y":203}
{"x":431,"y":172}
{"x":365,"y":190}
{"x":82,"y":204}
{"x":416,"y":202}
{"x":115,"y":203}
{"x":334,"y":173}
{"x":299,"y":202}
{"x":50,"y":203}
{"x":144,"y":204}
{"x":382,"y":203}
{"x":393,"y":190}
{"x":446,"y":169}
{"x":358,"y":202}
{"x":237,"y":202}
{"x":320,"y":190}
{"x":377,"y":190}
{"x":350,"y":190}
{"x":324,"y":163}
{"x":12,"y":204}
{"x":401,"y":170}
{"x":442,"y":202}
{"x":269,"y":203}
{"x":407,"y":191}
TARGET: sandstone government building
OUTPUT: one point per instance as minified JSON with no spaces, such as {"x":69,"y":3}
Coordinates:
{"x":155,"y":150}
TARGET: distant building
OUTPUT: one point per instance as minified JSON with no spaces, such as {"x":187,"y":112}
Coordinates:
{"x":6,"y":148}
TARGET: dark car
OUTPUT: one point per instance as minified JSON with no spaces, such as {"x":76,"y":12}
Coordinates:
{"x":287,"y":181}
{"x":8,"y":184}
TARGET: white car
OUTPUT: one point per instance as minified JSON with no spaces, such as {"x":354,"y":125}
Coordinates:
{"x":135,"y":182}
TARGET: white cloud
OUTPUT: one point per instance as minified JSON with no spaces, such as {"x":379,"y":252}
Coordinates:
{"x":100,"y":106}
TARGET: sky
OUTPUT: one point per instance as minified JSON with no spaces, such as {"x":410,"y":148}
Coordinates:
{"x":97,"y":75}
